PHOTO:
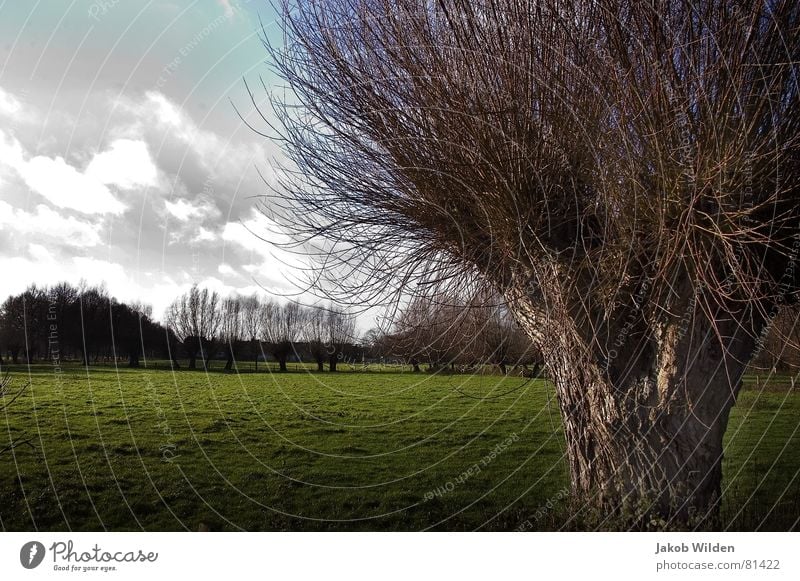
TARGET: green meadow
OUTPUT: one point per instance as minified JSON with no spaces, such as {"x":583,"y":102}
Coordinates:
{"x":152,"y":449}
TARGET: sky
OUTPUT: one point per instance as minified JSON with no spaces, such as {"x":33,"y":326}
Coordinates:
{"x":122,"y":158}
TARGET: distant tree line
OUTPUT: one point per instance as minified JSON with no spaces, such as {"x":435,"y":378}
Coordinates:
{"x":253,"y":328}
{"x":464,"y":333}
{"x":84,"y":323}
{"x":779,"y":350}
{"x":449,"y":332}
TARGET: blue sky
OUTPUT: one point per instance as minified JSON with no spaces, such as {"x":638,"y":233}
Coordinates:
{"x":122,"y":159}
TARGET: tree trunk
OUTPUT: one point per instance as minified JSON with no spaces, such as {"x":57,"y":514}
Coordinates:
{"x":332,"y":363}
{"x":192,"y":361}
{"x":133,"y":359}
{"x":282,"y":363}
{"x":320,"y":365}
{"x":207,"y":349}
{"x":644,"y":419}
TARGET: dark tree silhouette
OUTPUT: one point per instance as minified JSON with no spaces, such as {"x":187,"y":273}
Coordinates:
{"x":281,"y":328}
{"x":341,"y":329}
{"x":12,"y":327}
{"x":251,"y":325}
{"x":316,"y":334}
{"x":65,"y":322}
{"x":195,"y":319}
{"x":232,"y":328}
{"x":625,"y":174}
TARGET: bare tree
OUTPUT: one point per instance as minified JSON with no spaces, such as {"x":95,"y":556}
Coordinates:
{"x":251,"y":325}
{"x":316,"y":334}
{"x":780,"y":346}
{"x":624,"y":174}
{"x":503,"y":342}
{"x":281,"y":328}
{"x":341,"y":327}
{"x":373,"y":342}
{"x":195,"y":319}
{"x":232,"y":328}
{"x":411,"y":335}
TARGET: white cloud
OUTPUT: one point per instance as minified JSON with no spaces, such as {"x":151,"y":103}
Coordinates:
{"x":166,"y":111}
{"x":237,"y":233}
{"x":57,"y":181}
{"x":46,"y":223}
{"x":204,"y":235}
{"x":11,"y":152}
{"x":127,"y":164}
{"x":9,"y":104}
{"x":254,"y":231}
{"x":39,"y":253}
{"x":184,"y":210}
{"x":222,"y":158}
{"x":226,"y":270}
{"x":42,"y":266}
{"x":198,"y":178}
{"x":66,"y":187}
{"x":267,"y":245}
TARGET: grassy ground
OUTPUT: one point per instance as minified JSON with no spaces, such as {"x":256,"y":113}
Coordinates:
{"x":156,"y":450}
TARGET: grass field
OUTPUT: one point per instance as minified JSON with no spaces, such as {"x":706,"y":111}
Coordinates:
{"x":156,"y":450}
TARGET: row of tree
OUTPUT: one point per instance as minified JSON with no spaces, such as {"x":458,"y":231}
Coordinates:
{"x":456,"y":332}
{"x":84,"y":323}
{"x":252,"y":327}
{"x":65,"y":322}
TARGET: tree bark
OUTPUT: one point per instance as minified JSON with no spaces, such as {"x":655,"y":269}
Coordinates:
{"x":644,"y":415}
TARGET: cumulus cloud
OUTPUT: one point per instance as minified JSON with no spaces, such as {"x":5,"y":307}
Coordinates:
{"x":270,"y":260}
{"x":226,"y":270}
{"x":159,"y":206}
{"x":46,"y":223}
{"x":253,"y":231}
{"x":220,"y":159}
{"x":64,"y":186}
{"x":9,"y":104}
{"x":57,"y":181}
{"x":126,"y":164}
{"x":185,"y":210}
{"x":204,"y":235}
